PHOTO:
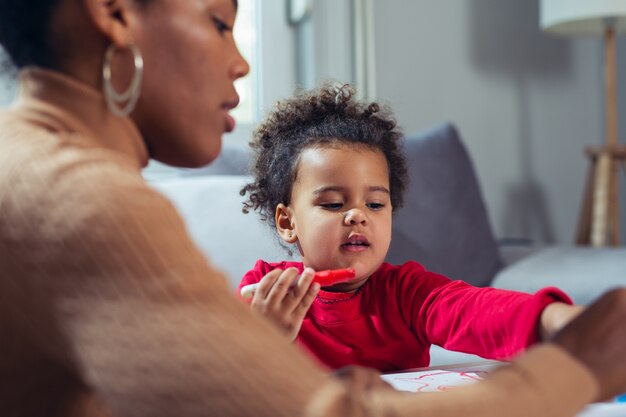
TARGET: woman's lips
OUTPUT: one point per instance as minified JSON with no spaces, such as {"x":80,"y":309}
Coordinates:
{"x":229,"y":124}
{"x":229,"y":121}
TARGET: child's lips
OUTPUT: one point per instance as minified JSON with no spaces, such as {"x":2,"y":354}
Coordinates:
{"x":356,"y":243}
{"x":355,"y":248}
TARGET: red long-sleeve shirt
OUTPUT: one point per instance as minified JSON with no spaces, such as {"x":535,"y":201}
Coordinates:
{"x":392,"y":320}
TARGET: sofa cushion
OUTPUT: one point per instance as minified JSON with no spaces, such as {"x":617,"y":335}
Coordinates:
{"x":211,"y":207}
{"x":444,"y":223}
{"x":583,"y":273}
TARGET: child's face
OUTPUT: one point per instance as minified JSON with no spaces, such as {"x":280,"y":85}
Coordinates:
{"x":340,"y":210}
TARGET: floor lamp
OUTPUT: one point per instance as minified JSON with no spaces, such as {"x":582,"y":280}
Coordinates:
{"x":598,"y":224}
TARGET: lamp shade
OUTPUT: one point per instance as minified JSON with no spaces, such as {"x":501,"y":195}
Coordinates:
{"x":582,"y":17}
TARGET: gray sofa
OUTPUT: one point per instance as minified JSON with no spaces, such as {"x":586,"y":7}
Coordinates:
{"x":444,"y":225}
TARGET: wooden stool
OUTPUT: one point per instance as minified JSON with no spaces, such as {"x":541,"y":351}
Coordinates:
{"x":599,"y":218}
{"x":599,"y":223}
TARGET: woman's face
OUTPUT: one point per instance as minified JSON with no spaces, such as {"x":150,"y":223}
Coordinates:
{"x":190,"y":64}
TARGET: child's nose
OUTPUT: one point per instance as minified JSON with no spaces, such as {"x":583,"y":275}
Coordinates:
{"x":355,"y":216}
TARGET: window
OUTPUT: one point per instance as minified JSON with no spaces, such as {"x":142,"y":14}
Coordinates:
{"x":246,"y":37}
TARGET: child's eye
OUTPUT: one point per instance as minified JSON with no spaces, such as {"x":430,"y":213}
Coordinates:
{"x":376,"y":206}
{"x":221,"y":25}
{"x":332,"y":206}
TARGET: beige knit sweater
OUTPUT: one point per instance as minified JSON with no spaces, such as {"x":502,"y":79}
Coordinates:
{"x":108,"y":308}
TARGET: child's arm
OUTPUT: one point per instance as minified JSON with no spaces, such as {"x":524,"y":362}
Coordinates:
{"x":555,"y":316}
{"x":282,"y":303}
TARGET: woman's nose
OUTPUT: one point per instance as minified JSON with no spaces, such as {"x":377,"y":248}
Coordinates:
{"x":240,"y":68}
{"x":355,"y":216}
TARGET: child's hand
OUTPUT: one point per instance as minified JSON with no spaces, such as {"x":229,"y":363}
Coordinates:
{"x":557,"y":315}
{"x":281,"y":302}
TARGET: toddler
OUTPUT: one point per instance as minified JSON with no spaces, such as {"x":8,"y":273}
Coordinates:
{"x":329,"y":173}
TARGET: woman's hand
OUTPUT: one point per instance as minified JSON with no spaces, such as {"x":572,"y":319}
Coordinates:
{"x":283,"y":303}
{"x":597,"y":338}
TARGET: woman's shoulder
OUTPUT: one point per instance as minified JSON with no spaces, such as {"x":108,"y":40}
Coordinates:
{"x":39,"y":150}
{"x":52,"y":177}
{"x":50,"y":167}
{"x":20,"y":137}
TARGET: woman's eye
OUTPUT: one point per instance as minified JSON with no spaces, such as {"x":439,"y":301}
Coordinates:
{"x":376,"y":206}
{"x":332,"y":206}
{"x":221,"y":25}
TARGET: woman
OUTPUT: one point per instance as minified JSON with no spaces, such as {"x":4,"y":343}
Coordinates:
{"x":106,"y":306}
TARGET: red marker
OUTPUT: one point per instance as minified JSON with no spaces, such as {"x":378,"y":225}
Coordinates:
{"x":333,"y":276}
{"x":324,"y":278}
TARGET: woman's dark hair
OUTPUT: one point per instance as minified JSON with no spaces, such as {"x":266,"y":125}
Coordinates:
{"x":329,"y":115}
{"x":25,"y":31}
{"x":24,"y":28}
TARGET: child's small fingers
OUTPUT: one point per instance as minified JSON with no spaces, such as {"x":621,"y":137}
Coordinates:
{"x":300,"y":289}
{"x":304,"y":305}
{"x":281,"y":286}
{"x":304,"y":282}
{"x":265,"y":285}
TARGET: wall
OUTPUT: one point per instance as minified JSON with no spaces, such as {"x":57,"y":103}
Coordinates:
{"x":526,"y":103}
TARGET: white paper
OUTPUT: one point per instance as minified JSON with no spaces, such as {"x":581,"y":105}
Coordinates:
{"x":436,"y":380}
{"x":433,"y":380}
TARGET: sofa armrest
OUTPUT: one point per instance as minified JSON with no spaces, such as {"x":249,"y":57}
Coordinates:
{"x":584,"y":273}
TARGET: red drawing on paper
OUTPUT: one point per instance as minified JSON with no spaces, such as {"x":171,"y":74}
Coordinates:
{"x":432,"y":381}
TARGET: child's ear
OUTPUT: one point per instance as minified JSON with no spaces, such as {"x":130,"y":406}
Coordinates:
{"x":284,"y":226}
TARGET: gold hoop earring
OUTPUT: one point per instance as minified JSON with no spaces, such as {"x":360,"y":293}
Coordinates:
{"x":114,"y":99}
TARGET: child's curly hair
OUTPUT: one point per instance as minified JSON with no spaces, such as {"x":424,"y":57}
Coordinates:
{"x":329,"y":115}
